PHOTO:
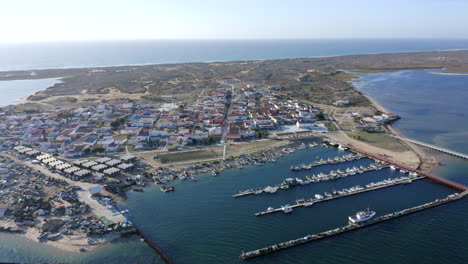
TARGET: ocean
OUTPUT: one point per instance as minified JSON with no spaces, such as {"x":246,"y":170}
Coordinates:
{"x":201,"y":223}
{"x":28,"y":56}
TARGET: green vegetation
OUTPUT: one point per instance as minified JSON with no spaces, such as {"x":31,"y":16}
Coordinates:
{"x":380,"y":140}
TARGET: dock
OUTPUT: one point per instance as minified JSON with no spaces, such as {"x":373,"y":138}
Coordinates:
{"x":293,"y":182}
{"x":399,"y":182}
{"x":455,"y":185}
{"x":329,"y":161}
{"x":440,"y":149}
{"x":347,"y":228}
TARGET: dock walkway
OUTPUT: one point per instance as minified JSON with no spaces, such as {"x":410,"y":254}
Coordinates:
{"x":350,"y":227}
{"x":443,"y":150}
{"x":340,"y":196}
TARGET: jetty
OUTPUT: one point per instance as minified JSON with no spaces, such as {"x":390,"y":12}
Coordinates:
{"x":341,"y":194}
{"x":447,"y":182}
{"x":329,"y":161}
{"x":349,"y":227}
{"x":440,"y":149}
{"x":321,"y":177}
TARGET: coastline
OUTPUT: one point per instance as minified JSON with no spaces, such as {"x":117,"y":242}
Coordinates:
{"x":450,"y":73}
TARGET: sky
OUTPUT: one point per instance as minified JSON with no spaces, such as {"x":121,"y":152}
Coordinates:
{"x":56,"y":20}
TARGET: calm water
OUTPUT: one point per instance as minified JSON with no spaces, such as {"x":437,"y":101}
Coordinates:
{"x":13,"y":91}
{"x":111,"y":53}
{"x":433,"y":108}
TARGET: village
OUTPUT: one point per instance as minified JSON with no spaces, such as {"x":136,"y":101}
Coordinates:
{"x":63,"y":171}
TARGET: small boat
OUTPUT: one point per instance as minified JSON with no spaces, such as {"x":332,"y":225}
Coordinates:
{"x":318,"y":196}
{"x":286,"y":209}
{"x":166,"y":188}
{"x":269,"y":209}
{"x":307,"y":204}
{"x":393,"y":167}
{"x":361,"y":216}
{"x":404,"y":171}
{"x":42,"y":235}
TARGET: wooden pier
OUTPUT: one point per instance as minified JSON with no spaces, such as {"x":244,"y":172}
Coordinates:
{"x":340,"y":196}
{"x":347,"y":228}
{"x":440,"y":149}
{"x":155,"y":248}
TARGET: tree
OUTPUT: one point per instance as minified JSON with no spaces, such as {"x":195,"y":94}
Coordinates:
{"x":320,"y":116}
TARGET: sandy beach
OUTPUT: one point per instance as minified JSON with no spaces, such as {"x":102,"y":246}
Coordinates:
{"x":450,"y":73}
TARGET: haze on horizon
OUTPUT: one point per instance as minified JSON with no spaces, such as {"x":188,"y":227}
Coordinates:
{"x":58,"y":20}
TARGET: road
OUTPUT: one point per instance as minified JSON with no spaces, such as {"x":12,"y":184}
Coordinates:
{"x":83,"y":195}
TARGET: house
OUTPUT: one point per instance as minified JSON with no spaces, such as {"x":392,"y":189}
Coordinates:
{"x":341,"y":103}
{"x":3,"y":210}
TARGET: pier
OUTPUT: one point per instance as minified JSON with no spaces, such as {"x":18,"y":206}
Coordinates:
{"x":435,"y":178}
{"x":329,"y":161}
{"x":347,"y":228}
{"x":153,"y":246}
{"x":440,"y":149}
{"x":292,"y":182}
{"x":403,"y":181}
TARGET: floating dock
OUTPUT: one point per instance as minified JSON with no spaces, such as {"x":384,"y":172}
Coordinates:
{"x":305,"y":204}
{"x":350,"y":227}
{"x":329,"y":161}
{"x":293,"y":182}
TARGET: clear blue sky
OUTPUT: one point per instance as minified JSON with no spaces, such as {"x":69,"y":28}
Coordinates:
{"x":46,"y":20}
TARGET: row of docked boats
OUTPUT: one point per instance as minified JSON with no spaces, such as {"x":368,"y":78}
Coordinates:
{"x":337,"y":194}
{"x":292,"y":182}
{"x":336,"y":160}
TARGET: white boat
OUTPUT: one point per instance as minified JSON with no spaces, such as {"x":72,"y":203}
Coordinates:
{"x":361,"y":216}
{"x":393,"y":167}
{"x":341,"y":147}
{"x":307,"y":204}
{"x":286,"y":209}
{"x":318,"y":196}
{"x":404,"y":171}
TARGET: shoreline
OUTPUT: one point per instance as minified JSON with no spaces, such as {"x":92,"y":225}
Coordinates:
{"x":451,"y":73}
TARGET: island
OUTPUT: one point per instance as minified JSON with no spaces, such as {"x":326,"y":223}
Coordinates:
{"x":71,"y":152}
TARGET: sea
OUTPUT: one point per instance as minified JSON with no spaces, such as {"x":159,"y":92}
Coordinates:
{"x":201,"y":223}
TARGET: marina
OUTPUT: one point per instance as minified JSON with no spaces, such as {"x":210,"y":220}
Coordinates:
{"x":336,"y":160}
{"x":349,"y":227}
{"x":321,"y":177}
{"x":336,"y":194}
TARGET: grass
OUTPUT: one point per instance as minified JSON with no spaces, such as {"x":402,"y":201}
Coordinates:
{"x":380,"y":140}
{"x":188,"y":156}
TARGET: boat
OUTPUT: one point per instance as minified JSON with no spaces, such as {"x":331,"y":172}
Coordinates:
{"x":318,"y":196}
{"x":284,"y":187}
{"x":270,"y":209}
{"x":296,"y":168}
{"x":166,"y":188}
{"x":413,"y":174}
{"x":42,"y":235}
{"x":307,"y":204}
{"x":341,"y":147}
{"x":361,"y":216}
{"x":258,"y":191}
{"x":404,"y":171}
{"x":393,"y":167}
{"x":286,"y":209}
{"x":328,"y":194}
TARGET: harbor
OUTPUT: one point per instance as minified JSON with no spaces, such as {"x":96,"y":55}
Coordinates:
{"x":322,"y":161}
{"x":349,"y":227}
{"x":336,"y":194}
{"x":320,"y":177}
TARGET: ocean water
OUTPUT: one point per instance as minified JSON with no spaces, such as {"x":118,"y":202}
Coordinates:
{"x":13,"y":91}
{"x":29,"y":56}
